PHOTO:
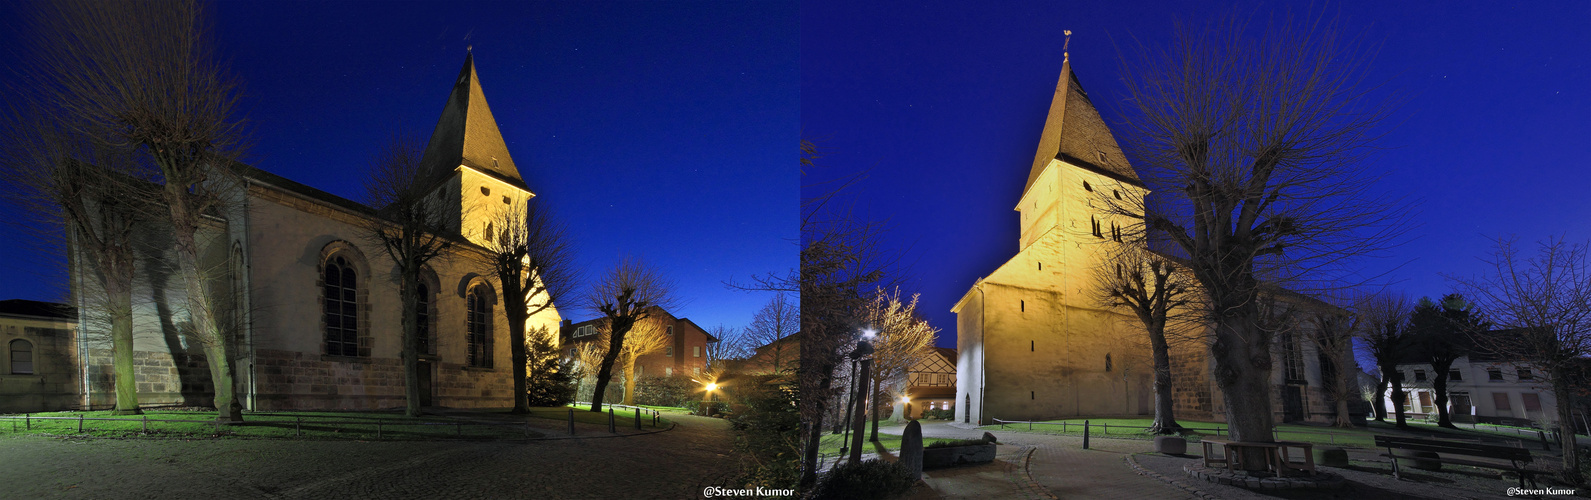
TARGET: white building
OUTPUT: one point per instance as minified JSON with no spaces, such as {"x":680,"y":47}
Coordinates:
{"x":1480,"y":389}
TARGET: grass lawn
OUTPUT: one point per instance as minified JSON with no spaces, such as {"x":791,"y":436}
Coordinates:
{"x":667,"y":409}
{"x":299,"y":425}
{"x":830,"y":443}
{"x":1363,"y":437}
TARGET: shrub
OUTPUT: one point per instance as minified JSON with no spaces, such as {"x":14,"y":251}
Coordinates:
{"x":664,"y":391}
{"x":548,"y":380}
{"x":770,"y":433}
{"x":719,"y":407}
{"x":947,"y":414}
{"x":870,"y":479}
{"x":958,"y":442}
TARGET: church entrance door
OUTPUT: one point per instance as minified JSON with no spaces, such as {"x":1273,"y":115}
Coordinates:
{"x":1292,"y":403}
{"x":425,"y":383}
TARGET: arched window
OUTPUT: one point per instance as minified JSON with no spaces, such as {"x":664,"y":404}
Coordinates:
{"x":341,"y":307}
{"x":21,"y":357}
{"x":478,"y":310}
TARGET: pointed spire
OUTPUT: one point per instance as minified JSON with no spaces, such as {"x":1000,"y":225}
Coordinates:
{"x":466,"y":133}
{"x":1075,"y":133}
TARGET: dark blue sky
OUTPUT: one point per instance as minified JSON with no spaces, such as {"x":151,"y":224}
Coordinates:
{"x":944,"y":101}
{"x":660,"y":130}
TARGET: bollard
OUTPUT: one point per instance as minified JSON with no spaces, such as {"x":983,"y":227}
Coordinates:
{"x":610,"y":421}
{"x":1030,"y":425}
{"x":1085,"y":434}
{"x":637,"y":419}
{"x":527,"y":428}
{"x":296,"y":422}
{"x":80,"y":427}
{"x":28,"y":417}
{"x":378,"y":430}
{"x":146,"y":424}
{"x":217,"y":426}
{"x":1107,"y":428}
{"x":571,"y":421}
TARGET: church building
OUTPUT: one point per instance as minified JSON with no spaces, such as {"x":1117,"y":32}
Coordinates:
{"x":1033,"y":343}
{"x":315,"y":301}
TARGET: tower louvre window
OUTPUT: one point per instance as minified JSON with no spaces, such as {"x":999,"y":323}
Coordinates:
{"x":486,"y":191}
{"x":1095,"y":222}
{"x":505,"y":200}
{"x":1107,"y":362}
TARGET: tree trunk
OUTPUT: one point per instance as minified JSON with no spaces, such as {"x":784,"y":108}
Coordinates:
{"x":812,"y":427}
{"x":201,"y":307}
{"x":629,"y":382}
{"x":1569,"y":446}
{"x":409,"y":296}
{"x":1340,"y":385}
{"x":1380,"y":404}
{"x":515,"y":310}
{"x":119,"y":295}
{"x":1165,"y":420}
{"x":1439,"y":386}
{"x":873,"y":404}
{"x":615,"y":342}
{"x":1398,"y":397}
{"x":1243,"y":369}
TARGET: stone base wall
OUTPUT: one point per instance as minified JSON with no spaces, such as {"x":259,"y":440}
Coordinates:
{"x":163,"y":379}
{"x":289,"y":380}
{"x":1190,"y":386}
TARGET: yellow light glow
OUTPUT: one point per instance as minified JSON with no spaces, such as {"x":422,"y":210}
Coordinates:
{"x":712,"y":387}
{"x":905,"y":399}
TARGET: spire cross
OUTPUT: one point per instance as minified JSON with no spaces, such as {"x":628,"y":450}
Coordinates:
{"x":1065,"y":55}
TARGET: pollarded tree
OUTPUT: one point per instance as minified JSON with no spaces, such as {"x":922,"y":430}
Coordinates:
{"x":98,"y":195}
{"x":1250,"y":144}
{"x":410,"y":228}
{"x":1384,"y":328}
{"x":628,"y":293}
{"x":1547,"y":299}
{"x":1441,"y":333}
{"x":645,"y":338}
{"x":901,"y":339}
{"x":532,"y":260}
{"x":1161,"y":297}
{"x":146,"y":76}
{"x":1332,"y":333}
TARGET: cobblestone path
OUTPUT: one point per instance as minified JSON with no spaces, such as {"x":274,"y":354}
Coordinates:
{"x":672,"y":464}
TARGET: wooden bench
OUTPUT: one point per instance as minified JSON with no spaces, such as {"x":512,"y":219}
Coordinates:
{"x":1278,"y":460}
{"x":1518,"y":458}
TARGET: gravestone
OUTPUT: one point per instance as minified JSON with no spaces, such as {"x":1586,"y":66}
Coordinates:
{"x":911,"y":450}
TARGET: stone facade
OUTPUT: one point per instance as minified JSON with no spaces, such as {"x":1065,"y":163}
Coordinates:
{"x":314,"y":304}
{"x":37,"y":365}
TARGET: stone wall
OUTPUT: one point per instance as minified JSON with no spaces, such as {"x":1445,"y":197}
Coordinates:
{"x":288,"y":380}
{"x":163,"y":379}
{"x":52,"y":385}
{"x":1190,"y":387}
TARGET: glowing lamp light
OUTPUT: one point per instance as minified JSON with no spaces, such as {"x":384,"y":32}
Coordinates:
{"x":905,"y":399}
{"x":868,"y":333}
{"x":712,"y":387}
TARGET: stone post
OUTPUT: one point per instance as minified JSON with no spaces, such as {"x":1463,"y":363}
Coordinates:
{"x":911,"y":449}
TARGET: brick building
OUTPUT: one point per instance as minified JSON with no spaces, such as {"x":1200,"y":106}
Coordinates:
{"x":684,"y":354}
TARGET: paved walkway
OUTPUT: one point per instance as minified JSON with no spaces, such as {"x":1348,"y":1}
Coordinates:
{"x":1058,"y":466}
{"x":672,"y":464}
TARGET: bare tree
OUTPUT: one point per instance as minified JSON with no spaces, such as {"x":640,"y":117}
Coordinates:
{"x":1441,"y":333}
{"x":1332,"y":335}
{"x":146,"y":76}
{"x":902,"y":339}
{"x":646,"y":337}
{"x":97,"y":194}
{"x":1251,"y":146}
{"x":1547,"y":299}
{"x":1384,"y":326}
{"x":731,"y":345}
{"x":628,"y":293}
{"x":588,"y":359}
{"x":1160,"y":296}
{"x":532,"y":259}
{"x":778,"y":319}
{"x":409,"y":226}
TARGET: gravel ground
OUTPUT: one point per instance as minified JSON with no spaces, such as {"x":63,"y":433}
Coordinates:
{"x":1367,"y":479}
{"x":672,"y":464}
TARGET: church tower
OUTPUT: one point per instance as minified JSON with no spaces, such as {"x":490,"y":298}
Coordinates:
{"x":469,"y":163}
{"x":1033,"y":342}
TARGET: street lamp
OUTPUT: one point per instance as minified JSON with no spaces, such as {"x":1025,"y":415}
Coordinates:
{"x":707,"y":409}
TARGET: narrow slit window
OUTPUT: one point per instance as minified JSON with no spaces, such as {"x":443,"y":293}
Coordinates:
{"x":1107,"y":362}
{"x":1023,"y":304}
{"x":1095,"y":222}
{"x":1032,"y":346}
{"x":1087,"y":187}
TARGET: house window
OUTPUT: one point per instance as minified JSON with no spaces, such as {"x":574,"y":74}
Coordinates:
{"x":477,"y":337}
{"x":1419,"y":375}
{"x":1292,"y":358}
{"x":1524,"y":374}
{"x":21,"y":357}
{"x":1532,"y":401}
{"x":585,"y":331}
{"x":668,"y":351}
{"x":670,"y":329}
{"x":696,"y":351}
{"x":422,"y":317}
{"x":1500,"y":400}
{"x":1455,"y":375}
{"x":341,"y":308}
{"x":1425,"y":399}
{"x":1494,"y":375}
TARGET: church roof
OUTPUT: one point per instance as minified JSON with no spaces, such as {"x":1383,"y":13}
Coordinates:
{"x":467,"y":134}
{"x":1075,"y":133}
